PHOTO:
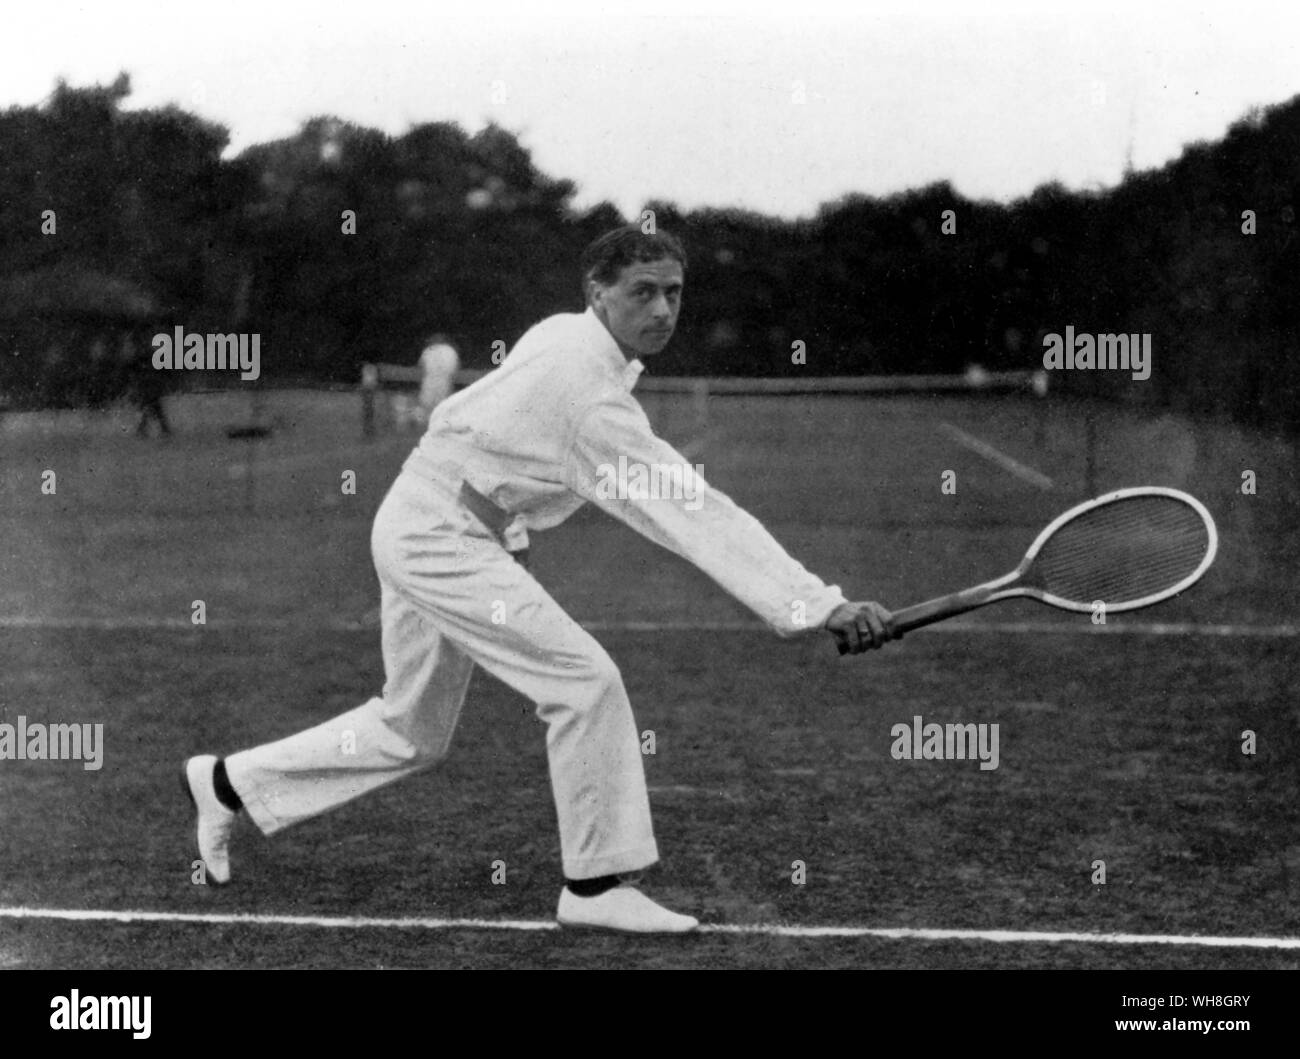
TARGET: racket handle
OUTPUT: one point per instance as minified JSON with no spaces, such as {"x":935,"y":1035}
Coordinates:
{"x":932,"y":610}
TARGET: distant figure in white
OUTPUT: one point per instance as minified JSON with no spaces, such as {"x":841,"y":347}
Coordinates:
{"x":438,"y":364}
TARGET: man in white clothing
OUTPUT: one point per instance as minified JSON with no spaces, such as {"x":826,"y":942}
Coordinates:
{"x":439,"y":363}
{"x":523,"y":448}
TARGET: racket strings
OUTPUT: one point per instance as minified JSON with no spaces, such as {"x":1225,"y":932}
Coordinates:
{"x":1129,"y":549}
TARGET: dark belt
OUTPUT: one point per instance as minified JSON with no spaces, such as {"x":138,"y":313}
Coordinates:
{"x":484,"y":510}
{"x":491,"y":516}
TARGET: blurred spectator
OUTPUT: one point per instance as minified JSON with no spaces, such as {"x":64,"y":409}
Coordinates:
{"x":145,"y":385}
{"x":440,"y":362}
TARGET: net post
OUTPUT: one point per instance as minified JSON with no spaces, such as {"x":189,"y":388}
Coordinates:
{"x":700,"y":412}
{"x":1038,"y":384}
{"x":1090,"y":446}
{"x":369,"y":384}
{"x":250,"y":471}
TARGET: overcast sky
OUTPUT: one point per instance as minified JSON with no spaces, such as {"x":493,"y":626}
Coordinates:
{"x":700,"y":104}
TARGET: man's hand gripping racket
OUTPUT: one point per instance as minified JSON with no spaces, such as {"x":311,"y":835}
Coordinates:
{"x":1128,"y":549}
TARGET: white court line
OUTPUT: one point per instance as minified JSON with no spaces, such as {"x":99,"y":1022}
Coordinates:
{"x":983,"y":448}
{"x":1015,"y":628}
{"x":83,"y":915}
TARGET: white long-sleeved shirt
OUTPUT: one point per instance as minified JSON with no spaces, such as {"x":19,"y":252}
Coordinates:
{"x":556,"y":426}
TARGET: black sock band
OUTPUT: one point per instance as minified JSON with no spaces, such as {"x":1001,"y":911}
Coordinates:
{"x":592,"y":887}
{"x":225,"y":792}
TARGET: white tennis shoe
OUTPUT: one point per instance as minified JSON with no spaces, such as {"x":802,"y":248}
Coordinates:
{"x":214,"y":819}
{"x":624,"y":909}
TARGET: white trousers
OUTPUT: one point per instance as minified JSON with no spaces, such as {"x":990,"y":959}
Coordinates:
{"x":452,"y":597}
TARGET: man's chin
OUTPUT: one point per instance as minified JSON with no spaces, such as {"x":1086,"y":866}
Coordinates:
{"x":652,"y":346}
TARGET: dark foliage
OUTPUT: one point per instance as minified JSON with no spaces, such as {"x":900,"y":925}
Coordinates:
{"x":463,"y":234}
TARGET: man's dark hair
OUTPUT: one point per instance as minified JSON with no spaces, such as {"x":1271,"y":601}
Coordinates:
{"x":605,"y":259}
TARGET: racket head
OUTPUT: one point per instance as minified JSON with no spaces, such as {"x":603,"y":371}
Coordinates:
{"x":1129,"y":549}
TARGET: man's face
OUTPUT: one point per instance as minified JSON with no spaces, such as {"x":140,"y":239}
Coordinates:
{"x":640,"y":308}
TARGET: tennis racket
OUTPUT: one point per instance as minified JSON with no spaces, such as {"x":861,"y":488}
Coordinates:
{"x":1128,"y":549}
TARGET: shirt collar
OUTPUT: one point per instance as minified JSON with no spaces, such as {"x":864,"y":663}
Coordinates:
{"x":632,"y":373}
{"x":627,"y":371}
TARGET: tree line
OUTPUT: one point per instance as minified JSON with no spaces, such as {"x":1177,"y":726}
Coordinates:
{"x":341,"y":245}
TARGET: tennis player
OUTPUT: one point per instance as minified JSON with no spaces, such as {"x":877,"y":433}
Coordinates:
{"x":521,"y":449}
